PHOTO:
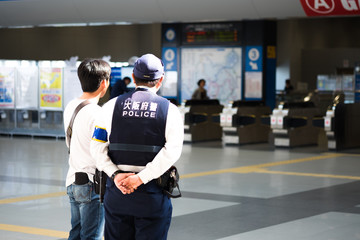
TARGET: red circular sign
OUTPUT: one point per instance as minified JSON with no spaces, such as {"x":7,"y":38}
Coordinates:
{"x":321,"y":6}
{"x":51,"y":98}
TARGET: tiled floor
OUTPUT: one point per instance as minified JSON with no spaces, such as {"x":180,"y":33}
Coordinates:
{"x":229,"y":192}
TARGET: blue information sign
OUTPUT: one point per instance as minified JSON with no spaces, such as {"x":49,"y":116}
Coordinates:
{"x":253,"y":59}
{"x":115,"y":75}
{"x":169,"y":58}
{"x":357,"y":87}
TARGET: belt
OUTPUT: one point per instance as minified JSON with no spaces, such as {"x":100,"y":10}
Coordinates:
{"x":81,"y":178}
{"x":134,"y":147}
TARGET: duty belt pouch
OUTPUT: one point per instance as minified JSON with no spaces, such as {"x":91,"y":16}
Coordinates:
{"x":81,"y":178}
{"x":169,"y":181}
{"x":100,"y":178}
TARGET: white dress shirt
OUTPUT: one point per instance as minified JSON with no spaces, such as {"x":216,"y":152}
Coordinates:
{"x":80,"y":159}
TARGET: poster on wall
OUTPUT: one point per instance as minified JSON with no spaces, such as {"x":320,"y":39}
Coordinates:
{"x":51,"y":88}
{"x":169,"y":86}
{"x":27,"y":87}
{"x":7,"y":87}
{"x":219,"y":67}
{"x":72,"y":86}
{"x":253,"y":85}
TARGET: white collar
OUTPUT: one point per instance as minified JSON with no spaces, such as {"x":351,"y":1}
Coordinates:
{"x":153,"y":89}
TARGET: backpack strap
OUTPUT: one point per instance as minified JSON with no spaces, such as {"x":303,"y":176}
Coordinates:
{"x":69,"y":129}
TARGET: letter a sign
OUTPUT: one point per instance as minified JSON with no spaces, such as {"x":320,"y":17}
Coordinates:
{"x":331,"y":7}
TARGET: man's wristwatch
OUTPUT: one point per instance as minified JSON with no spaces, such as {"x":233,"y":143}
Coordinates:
{"x":115,"y":173}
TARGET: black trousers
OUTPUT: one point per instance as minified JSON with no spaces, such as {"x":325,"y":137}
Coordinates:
{"x":142,"y":215}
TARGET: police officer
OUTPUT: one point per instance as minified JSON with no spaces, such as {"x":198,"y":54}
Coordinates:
{"x":141,"y":133}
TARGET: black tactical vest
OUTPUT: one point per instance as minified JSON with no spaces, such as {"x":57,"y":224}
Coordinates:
{"x":138,"y":127}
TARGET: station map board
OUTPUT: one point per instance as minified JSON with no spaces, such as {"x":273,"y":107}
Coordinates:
{"x":219,"y":66}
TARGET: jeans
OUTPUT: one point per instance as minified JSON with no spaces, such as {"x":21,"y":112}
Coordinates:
{"x":87,"y":213}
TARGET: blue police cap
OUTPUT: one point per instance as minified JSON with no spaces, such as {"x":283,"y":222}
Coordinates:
{"x":148,"y":67}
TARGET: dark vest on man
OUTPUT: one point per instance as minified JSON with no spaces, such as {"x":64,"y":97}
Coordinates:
{"x":138,"y":127}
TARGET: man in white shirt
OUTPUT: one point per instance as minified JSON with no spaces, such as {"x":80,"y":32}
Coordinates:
{"x":142,"y":133}
{"x":87,"y":214}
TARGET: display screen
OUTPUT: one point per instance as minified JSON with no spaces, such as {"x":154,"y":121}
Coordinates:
{"x":326,"y":82}
{"x":211,"y":33}
{"x":118,"y":73}
{"x":335,"y":82}
{"x":348,"y":82}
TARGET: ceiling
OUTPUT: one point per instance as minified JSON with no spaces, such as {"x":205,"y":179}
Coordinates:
{"x":99,"y":12}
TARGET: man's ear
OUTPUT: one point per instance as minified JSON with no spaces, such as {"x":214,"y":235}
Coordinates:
{"x":134,"y":79}
{"x":158,"y":85}
{"x":105,"y":83}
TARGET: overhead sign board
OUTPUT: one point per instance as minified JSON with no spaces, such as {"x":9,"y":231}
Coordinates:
{"x":331,"y":7}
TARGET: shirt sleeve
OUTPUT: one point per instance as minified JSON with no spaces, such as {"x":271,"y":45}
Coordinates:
{"x":100,"y":139}
{"x":170,"y":153}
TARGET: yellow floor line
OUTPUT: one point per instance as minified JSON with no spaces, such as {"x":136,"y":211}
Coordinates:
{"x":253,"y":168}
{"x":259,"y":168}
{"x":308,"y":174}
{"x":34,"y":231}
{"x":245,"y":169}
{"x":32,"y":197}
{"x":352,"y":155}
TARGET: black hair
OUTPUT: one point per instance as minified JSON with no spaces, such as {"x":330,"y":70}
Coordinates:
{"x":201,"y":80}
{"x":127,"y":78}
{"x":143,"y":82}
{"x":91,"y":72}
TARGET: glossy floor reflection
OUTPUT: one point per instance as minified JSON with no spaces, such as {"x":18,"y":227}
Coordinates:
{"x":229,"y":192}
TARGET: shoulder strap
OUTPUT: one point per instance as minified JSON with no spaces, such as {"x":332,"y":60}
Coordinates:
{"x":69,"y":129}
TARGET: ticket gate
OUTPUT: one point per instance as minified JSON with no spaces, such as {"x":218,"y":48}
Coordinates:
{"x":7,"y":119}
{"x":292,"y":124}
{"x":27,"y":119}
{"x":342,"y":127}
{"x":31,"y":122}
{"x":247,"y":122}
{"x":202,"y":120}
